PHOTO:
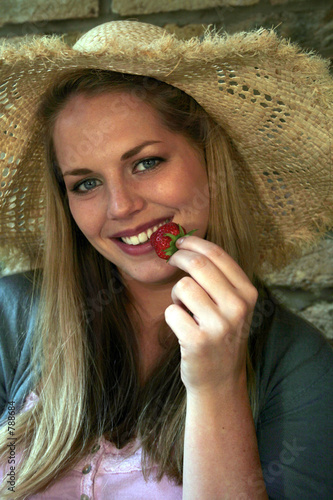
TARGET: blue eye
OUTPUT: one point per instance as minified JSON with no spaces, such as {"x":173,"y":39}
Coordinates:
{"x":148,"y":164}
{"x":87,"y":184}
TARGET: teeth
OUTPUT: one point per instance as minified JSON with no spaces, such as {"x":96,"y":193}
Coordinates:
{"x":142,"y":237}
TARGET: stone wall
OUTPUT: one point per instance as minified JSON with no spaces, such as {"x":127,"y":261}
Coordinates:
{"x":307,"y":285}
{"x":308,"y":22}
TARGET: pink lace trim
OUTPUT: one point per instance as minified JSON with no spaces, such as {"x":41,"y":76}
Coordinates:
{"x":30,"y":401}
{"x":125,"y":459}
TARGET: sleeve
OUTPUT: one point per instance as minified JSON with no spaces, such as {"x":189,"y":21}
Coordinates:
{"x":17,"y":317}
{"x":295,"y":423}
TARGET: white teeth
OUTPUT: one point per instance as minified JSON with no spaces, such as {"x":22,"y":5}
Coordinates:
{"x":135,"y":240}
{"x":142,"y":237}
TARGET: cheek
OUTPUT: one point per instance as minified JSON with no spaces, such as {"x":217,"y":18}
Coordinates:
{"x":190,"y":189}
{"x":87,"y":217}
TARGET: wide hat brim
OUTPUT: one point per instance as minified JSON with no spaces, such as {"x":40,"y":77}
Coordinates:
{"x":274,"y":101}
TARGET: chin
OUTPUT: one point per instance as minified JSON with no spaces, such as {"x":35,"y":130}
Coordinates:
{"x":161,"y":273}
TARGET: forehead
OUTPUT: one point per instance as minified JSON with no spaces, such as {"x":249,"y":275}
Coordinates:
{"x":103,"y":127}
{"x":109,"y":124}
{"x":116,"y":107}
{"x":107,"y":120}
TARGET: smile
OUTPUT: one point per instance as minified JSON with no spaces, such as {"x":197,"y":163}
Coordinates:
{"x":140,"y":238}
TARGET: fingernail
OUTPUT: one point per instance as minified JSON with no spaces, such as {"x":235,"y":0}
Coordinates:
{"x":180,"y":241}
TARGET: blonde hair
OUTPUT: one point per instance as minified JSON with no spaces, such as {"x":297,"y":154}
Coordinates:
{"x":83,"y":327}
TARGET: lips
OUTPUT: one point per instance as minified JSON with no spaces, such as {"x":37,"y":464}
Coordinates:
{"x":142,"y":233}
{"x":143,"y":236}
{"x":135,"y":250}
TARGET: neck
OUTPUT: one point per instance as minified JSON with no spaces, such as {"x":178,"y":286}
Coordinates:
{"x":148,"y":303}
{"x":151,"y":299}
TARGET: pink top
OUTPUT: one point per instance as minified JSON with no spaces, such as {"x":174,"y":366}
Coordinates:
{"x":106,"y":473}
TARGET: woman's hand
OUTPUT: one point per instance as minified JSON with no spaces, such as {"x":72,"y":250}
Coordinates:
{"x":211,"y":316}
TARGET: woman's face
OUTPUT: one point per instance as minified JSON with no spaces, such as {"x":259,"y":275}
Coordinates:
{"x":125,"y":174}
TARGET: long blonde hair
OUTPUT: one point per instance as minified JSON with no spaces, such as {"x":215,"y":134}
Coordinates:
{"x":85,"y":352}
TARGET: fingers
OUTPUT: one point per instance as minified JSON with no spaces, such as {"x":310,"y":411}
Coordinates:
{"x":180,"y":322}
{"x":205,"y":273}
{"x":209,"y":359}
{"x":215,"y":271}
{"x":217,"y":256}
{"x":188,"y":293}
{"x":221,"y":298}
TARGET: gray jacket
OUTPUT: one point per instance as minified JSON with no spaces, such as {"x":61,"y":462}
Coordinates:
{"x":294,"y":371}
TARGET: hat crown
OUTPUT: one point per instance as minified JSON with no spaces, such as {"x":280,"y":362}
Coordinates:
{"x":119,"y":32}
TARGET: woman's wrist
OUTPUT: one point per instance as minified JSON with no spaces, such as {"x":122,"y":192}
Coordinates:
{"x":221,"y":458}
{"x":234,"y":389}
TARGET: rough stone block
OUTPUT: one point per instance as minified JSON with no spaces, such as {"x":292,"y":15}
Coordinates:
{"x":313,"y":271}
{"x":130,"y":7}
{"x":310,"y":28}
{"x":320,"y":315}
{"x":279,"y":2}
{"x":305,"y":286}
{"x":20,"y":11}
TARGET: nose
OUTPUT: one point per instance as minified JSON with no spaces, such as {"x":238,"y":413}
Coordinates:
{"x":123,"y":201}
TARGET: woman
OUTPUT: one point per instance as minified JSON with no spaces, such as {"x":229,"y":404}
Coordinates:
{"x":135,"y":355}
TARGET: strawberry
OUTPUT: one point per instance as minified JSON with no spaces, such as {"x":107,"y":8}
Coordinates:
{"x":164,"y":239}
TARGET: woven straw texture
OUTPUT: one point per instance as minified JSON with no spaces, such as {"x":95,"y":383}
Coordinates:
{"x":274,"y":101}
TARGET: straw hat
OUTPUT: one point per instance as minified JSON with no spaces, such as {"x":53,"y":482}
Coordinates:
{"x":274,"y":101}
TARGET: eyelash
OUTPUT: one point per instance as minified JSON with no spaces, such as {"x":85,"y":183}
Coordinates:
{"x":75,"y":189}
{"x":150,"y":158}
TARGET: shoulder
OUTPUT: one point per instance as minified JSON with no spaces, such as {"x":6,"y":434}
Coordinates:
{"x":296,"y":355}
{"x":17,"y":284}
{"x":295,"y":424}
{"x":17,"y":290}
{"x":18,"y":307}
{"x":18,"y":301}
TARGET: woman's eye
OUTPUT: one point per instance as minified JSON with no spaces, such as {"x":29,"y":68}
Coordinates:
{"x":147,"y":164}
{"x":85,"y":186}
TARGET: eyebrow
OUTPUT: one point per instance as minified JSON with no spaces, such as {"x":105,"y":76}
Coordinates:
{"x":125,"y":156}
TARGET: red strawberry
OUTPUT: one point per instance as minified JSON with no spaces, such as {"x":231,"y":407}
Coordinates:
{"x":164,"y":239}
